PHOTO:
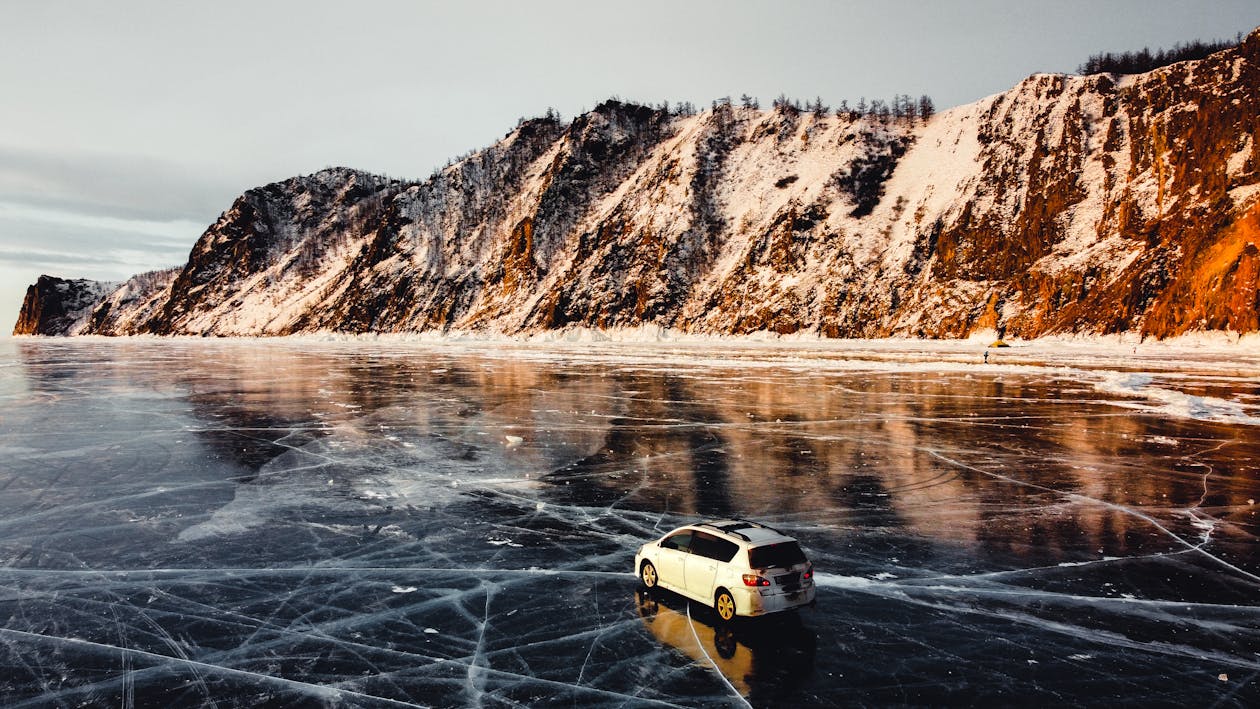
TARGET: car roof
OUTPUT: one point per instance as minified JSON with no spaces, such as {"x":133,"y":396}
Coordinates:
{"x":753,"y":534}
{"x":760,"y":537}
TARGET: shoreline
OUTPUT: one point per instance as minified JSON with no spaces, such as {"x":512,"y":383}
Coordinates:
{"x":657,"y":335}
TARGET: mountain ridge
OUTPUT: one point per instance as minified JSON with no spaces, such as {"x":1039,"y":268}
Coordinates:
{"x":1068,"y":204}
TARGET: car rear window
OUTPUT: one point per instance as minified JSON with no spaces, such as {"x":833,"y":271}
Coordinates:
{"x":783,"y":554}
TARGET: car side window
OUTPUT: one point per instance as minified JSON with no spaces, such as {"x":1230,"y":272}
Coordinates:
{"x":680,"y":541}
{"x":724,"y":550}
{"x":713,"y":547}
{"x":700,"y":544}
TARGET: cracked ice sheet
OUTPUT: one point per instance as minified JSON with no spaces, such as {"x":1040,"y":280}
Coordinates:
{"x":383,"y":524}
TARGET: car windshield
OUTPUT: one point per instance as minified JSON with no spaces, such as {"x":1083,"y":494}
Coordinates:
{"x":783,"y":554}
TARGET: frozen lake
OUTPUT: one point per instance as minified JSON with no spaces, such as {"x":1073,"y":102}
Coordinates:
{"x":387,"y":523}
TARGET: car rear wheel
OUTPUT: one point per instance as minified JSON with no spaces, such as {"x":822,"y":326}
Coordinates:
{"x":648,"y":574}
{"x":724,"y":604}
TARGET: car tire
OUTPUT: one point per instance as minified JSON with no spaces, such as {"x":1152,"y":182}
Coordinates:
{"x":724,"y":604}
{"x":647,"y":574}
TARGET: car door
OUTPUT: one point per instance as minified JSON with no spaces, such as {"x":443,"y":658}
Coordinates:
{"x":671,"y":560}
{"x":701,"y":566}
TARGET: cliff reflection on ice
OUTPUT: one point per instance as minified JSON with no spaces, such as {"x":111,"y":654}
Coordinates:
{"x":381,"y":524}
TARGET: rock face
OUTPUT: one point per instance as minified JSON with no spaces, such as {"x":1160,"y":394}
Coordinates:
{"x":59,"y":306}
{"x":1092,"y":204}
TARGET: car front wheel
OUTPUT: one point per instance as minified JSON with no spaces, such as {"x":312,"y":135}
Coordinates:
{"x":724,"y":604}
{"x":648,"y":574}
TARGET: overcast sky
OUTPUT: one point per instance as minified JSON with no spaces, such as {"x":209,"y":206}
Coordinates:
{"x":127,"y":127}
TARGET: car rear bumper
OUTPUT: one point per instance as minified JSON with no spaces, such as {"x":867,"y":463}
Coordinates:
{"x":752,"y":601}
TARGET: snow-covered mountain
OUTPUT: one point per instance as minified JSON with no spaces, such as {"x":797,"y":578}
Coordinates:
{"x":1067,"y":204}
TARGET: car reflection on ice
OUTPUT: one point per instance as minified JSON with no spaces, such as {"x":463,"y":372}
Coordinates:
{"x":757,"y":658}
{"x":741,"y":568}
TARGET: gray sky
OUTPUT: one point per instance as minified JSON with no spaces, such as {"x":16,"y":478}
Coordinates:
{"x":127,"y":127}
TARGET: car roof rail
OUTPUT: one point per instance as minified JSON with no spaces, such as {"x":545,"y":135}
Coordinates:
{"x":733,"y":525}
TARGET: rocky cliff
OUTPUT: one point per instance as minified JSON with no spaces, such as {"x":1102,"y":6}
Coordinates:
{"x":56,"y":306}
{"x":1068,"y":204}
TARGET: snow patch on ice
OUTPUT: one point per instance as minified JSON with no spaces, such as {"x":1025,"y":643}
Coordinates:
{"x":840,"y":581}
{"x":1171,"y":402}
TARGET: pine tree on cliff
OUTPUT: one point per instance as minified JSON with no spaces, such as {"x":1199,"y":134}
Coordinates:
{"x":926,"y":107}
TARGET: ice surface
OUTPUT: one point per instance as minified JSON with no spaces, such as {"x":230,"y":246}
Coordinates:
{"x":389,"y":523}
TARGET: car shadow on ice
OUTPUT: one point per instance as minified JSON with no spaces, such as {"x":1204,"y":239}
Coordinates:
{"x":763,"y":657}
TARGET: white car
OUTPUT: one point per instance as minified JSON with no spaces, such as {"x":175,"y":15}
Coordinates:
{"x":740,"y":568}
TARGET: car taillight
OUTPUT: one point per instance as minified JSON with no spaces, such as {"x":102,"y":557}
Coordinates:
{"x":755,"y":580}
{"x":809,"y":572}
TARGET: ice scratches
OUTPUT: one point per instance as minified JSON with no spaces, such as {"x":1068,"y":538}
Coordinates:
{"x":1239,"y":686}
{"x":25,"y":520}
{"x":1198,"y":519}
{"x":962,"y":599}
{"x":476,"y":684}
{"x":408,"y":669}
{"x":590,"y":652}
{"x":314,"y":691}
{"x":691,"y":624}
{"x":129,"y":687}
{"x":1123,"y":509}
{"x":973,"y":585}
{"x":593,"y":635}
{"x":161,"y":633}
{"x":277,"y":634}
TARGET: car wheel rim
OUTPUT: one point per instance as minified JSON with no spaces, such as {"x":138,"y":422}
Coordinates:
{"x":726,"y":607}
{"x":649,"y":576}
